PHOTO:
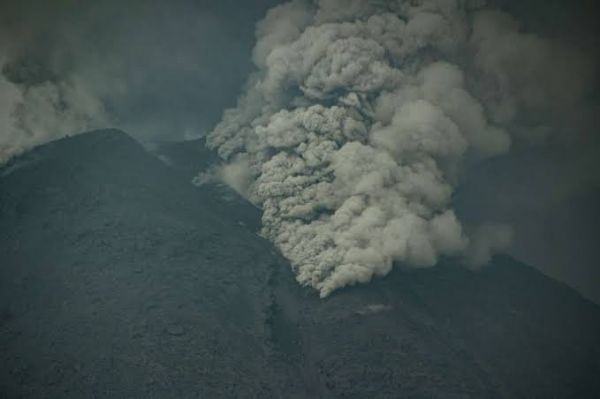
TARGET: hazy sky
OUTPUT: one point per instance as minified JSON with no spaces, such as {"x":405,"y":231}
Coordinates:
{"x":163,"y":69}
{"x":168,"y":69}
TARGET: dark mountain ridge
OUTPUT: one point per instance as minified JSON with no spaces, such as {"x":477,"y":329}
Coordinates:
{"x":118,"y":278}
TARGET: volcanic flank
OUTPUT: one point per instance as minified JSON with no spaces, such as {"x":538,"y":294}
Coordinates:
{"x":118,"y":278}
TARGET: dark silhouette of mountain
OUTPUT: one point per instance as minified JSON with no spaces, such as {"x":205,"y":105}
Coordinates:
{"x":120,"y":279}
{"x":186,"y":157}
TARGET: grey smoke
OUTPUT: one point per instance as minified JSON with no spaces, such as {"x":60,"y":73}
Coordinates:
{"x":363,"y":118}
{"x":35,"y":109}
{"x":160,"y":71}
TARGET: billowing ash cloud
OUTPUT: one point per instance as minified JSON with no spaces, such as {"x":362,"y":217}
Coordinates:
{"x":362,"y":118}
{"x":36,"y":108}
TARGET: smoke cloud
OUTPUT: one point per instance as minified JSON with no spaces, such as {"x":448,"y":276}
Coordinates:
{"x":363,"y":118}
{"x":35,"y":109}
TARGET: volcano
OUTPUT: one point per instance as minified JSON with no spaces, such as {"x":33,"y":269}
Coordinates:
{"x":121,"y":279}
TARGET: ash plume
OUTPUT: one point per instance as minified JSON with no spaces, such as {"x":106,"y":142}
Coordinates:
{"x":363,"y":117}
{"x":159,"y":71}
{"x":36,"y":107}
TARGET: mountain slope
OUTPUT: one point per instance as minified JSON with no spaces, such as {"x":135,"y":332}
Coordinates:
{"x":120,"y":279}
{"x":447,"y":332}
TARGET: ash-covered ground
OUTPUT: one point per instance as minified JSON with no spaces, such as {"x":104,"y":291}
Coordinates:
{"x":120,"y":279}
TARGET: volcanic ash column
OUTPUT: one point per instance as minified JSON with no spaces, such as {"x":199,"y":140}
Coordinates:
{"x":353,"y":133}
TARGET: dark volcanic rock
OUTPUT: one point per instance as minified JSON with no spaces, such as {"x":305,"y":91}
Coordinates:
{"x":507,"y":332}
{"x":119,"y":279}
{"x":123,"y":276}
